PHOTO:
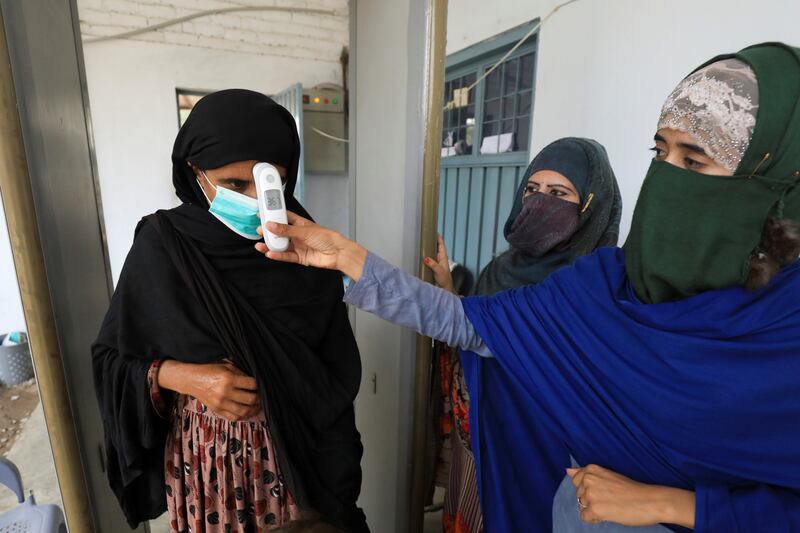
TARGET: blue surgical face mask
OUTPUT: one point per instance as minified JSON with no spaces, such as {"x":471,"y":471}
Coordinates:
{"x":237,"y":211}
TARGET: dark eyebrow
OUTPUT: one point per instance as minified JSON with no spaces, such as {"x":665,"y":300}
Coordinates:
{"x":565,"y":187}
{"x":693,"y":148}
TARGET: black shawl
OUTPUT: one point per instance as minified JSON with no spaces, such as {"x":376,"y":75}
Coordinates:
{"x":194,"y":291}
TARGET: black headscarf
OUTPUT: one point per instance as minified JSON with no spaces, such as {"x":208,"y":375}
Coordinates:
{"x":194,"y":291}
{"x":585,"y":163}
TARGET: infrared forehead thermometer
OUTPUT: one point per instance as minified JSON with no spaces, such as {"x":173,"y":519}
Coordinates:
{"x":271,"y":205}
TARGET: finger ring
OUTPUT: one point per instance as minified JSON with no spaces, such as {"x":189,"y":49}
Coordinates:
{"x":581,"y":505}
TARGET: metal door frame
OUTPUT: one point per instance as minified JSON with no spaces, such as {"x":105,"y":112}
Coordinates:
{"x":63,"y":228}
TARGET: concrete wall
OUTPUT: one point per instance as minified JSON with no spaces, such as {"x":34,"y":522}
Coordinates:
{"x":282,"y":33}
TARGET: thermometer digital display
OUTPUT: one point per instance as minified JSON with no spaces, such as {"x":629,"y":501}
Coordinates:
{"x":271,"y":205}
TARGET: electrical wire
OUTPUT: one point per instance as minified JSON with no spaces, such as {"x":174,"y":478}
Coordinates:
{"x":327,"y":85}
{"x":513,"y":49}
{"x":329,"y":136}
{"x":488,"y":72}
{"x":312,"y":11}
{"x":208,"y":13}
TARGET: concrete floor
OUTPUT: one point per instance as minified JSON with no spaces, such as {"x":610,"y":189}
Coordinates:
{"x":32,"y":455}
{"x":433,"y":521}
{"x":160,"y":525}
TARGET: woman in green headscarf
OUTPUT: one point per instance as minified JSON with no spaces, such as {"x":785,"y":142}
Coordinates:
{"x":655,"y":360}
{"x":567,"y":205}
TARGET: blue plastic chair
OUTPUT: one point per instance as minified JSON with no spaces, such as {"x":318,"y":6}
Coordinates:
{"x":27,"y":517}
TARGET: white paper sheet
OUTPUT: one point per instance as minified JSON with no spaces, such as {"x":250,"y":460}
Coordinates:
{"x":497,"y":144}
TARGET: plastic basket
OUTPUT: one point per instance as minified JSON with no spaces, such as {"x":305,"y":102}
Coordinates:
{"x":15,"y":362}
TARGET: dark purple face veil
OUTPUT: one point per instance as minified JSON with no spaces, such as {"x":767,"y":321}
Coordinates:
{"x":544,"y":223}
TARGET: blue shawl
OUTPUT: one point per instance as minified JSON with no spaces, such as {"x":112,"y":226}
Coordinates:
{"x":702,"y":394}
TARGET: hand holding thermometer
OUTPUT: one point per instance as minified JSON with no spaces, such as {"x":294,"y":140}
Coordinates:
{"x":271,"y":205}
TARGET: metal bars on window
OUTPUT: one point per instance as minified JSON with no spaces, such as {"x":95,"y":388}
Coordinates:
{"x":507,"y":101}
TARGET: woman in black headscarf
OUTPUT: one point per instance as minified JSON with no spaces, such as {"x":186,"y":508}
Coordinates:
{"x":226,"y":383}
{"x":550,"y":226}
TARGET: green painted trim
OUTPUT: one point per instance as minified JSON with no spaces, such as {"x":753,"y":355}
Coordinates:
{"x":491,"y":46}
{"x":509,"y":159}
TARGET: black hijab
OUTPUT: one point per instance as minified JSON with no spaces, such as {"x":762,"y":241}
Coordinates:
{"x":194,"y":291}
{"x":585,"y":163}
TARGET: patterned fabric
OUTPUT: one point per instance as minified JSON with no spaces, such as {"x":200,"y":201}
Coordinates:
{"x":221,"y":476}
{"x":445,"y":433}
{"x":459,"y":398}
{"x":717,"y":105}
{"x":462,"y":510}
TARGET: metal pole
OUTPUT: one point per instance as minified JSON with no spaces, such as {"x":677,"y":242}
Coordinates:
{"x":436,"y":38}
{"x":15,"y":188}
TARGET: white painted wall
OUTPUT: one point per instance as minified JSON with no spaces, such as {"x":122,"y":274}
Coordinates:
{"x":11,"y":317}
{"x":328,"y":199}
{"x":606,"y":66}
{"x":472,"y":21}
{"x":132,"y":86}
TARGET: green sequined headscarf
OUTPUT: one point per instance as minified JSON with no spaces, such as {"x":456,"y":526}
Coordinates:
{"x":693,"y":232}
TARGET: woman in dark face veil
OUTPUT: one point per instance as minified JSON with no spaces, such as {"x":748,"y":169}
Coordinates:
{"x":226,"y":383}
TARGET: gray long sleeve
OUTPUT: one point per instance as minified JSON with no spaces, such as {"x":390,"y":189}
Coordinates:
{"x":402,"y":299}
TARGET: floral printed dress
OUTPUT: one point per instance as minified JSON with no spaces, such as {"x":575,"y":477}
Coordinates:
{"x":221,"y":476}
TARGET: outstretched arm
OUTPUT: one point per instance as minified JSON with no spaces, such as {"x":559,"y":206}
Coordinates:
{"x":377,"y":286}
